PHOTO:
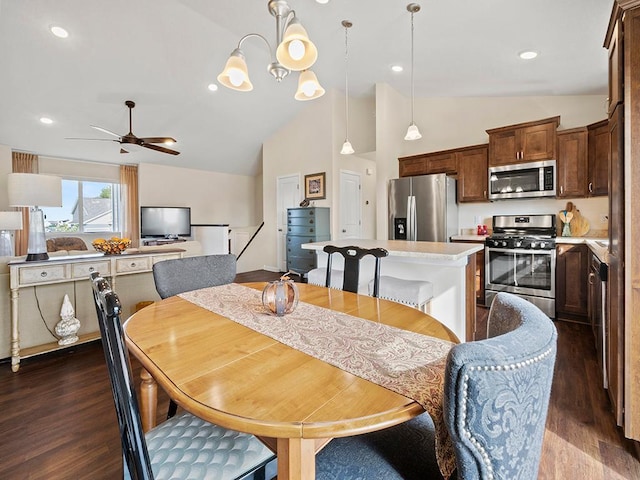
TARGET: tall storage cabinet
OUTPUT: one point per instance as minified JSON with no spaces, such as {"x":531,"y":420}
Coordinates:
{"x":305,"y":225}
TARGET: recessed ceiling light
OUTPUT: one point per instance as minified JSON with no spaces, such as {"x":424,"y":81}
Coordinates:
{"x":322,"y":1}
{"x":528,"y":55}
{"x":46,"y":120}
{"x":59,"y":31}
{"x":397,"y":68}
{"x":213,"y":87}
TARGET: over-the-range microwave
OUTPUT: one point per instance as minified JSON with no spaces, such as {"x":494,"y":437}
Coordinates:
{"x":523,"y":180}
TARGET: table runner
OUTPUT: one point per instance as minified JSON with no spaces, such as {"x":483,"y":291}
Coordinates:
{"x":404,"y":362}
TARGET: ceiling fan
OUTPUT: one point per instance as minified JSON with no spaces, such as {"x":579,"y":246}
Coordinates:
{"x":131,"y":139}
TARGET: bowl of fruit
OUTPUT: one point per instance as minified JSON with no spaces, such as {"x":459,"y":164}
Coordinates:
{"x":111,"y":246}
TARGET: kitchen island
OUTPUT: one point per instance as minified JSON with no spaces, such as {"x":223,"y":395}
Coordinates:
{"x":450,"y":267}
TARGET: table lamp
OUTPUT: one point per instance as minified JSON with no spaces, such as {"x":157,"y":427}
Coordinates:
{"x":8,"y":221}
{"x":35,"y":191}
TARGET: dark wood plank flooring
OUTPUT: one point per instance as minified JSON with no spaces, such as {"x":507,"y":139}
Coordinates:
{"x":58,"y":420}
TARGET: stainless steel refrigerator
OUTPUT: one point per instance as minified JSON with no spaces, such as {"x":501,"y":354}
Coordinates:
{"x":423,"y":208}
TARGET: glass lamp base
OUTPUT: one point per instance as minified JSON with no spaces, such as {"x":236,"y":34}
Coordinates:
{"x":37,"y":248}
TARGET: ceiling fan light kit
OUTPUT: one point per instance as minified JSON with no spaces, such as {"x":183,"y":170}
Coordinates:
{"x":294,"y":52}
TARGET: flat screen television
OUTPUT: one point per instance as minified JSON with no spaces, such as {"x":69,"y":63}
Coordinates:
{"x":167,"y":222}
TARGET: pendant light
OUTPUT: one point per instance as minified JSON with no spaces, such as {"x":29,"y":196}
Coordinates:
{"x":412,"y":132}
{"x":347,"y":149}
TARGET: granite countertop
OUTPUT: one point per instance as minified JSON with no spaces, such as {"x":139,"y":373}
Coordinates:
{"x":469,"y":238}
{"x":404,"y":248}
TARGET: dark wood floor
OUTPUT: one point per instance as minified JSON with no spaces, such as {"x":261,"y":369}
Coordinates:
{"x":58,"y":420}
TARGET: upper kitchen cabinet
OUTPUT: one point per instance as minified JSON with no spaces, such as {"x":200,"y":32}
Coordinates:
{"x":572,"y":163}
{"x":428,"y":163}
{"x":598,"y":181}
{"x":524,"y":142}
{"x":616,"y":76}
{"x":472,"y":173}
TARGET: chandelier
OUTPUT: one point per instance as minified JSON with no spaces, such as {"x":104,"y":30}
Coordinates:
{"x":294,"y":52}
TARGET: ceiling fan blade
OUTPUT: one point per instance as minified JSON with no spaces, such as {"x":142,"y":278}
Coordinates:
{"x":92,"y":139}
{"x":158,"y":139}
{"x":109,"y":132}
{"x":160,"y":149}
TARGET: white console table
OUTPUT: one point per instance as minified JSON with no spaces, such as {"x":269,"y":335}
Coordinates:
{"x":72,"y":268}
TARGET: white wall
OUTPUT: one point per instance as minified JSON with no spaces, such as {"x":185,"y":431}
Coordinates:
{"x":5,"y":169}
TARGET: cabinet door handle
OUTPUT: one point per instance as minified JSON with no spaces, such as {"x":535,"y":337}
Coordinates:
{"x":561,"y":189}
{"x":591,"y":277}
{"x":91,"y":269}
{"x":43,"y":274}
{"x":590,"y":187}
{"x":484,"y":194}
{"x":133,"y":264}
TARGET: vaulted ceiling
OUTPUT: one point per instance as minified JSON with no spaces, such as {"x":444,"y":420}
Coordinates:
{"x":164,"y":53}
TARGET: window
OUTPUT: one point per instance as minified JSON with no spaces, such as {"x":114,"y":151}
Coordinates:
{"x":87,"y":207}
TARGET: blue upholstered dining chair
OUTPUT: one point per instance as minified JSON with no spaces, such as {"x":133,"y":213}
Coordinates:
{"x":496,"y":398}
{"x":183,"y":447}
{"x":181,"y":275}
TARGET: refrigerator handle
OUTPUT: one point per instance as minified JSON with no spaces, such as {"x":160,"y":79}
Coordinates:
{"x":412,"y":220}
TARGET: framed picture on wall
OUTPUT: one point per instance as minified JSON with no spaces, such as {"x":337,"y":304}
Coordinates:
{"x":314,"y":186}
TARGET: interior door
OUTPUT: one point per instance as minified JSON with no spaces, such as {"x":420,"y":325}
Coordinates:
{"x":287,"y":196}
{"x":350,"y":205}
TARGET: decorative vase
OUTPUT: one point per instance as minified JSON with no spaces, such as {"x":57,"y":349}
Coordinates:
{"x":280,"y":296}
{"x":68,"y":327}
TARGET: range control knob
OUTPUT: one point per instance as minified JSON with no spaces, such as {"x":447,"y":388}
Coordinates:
{"x":543,"y":244}
{"x":504,"y":243}
{"x":518,"y":243}
{"x":534,"y":244}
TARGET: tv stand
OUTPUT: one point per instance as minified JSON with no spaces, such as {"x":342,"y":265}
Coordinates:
{"x":161,"y":241}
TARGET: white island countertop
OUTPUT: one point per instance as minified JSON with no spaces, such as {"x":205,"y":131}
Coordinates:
{"x":438,"y":251}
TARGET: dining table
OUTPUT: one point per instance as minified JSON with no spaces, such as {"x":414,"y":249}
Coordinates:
{"x":289,"y":380}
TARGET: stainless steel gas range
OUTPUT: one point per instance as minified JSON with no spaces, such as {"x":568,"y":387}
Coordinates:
{"x":520,"y":257}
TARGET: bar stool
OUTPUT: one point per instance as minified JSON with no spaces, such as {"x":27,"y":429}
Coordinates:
{"x":415,"y":293}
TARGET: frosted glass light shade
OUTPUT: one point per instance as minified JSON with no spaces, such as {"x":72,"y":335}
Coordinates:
{"x":308,"y":87}
{"x":32,"y":189}
{"x":347,"y":149}
{"x":10,"y":220}
{"x":235,"y":74}
{"x":413,"y":133}
{"x":296,"y":52}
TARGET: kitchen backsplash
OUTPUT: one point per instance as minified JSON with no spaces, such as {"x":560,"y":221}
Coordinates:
{"x":595,"y":210}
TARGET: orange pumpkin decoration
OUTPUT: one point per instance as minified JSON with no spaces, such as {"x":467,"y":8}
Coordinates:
{"x":280,"y":296}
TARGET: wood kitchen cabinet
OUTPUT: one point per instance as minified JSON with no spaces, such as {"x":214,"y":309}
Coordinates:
{"x":572,"y":271}
{"x":469,"y":164}
{"x":473,"y":174}
{"x":598,"y":159}
{"x":572,"y":163}
{"x":524,"y":142}
{"x":428,"y":163}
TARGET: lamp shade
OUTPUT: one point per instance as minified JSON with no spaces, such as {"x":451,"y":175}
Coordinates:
{"x":236,"y":74}
{"x":347,"y":149}
{"x":308,"y":86}
{"x":296,"y":52}
{"x":10,"y":220}
{"x":413,"y":133}
{"x":32,"y":189}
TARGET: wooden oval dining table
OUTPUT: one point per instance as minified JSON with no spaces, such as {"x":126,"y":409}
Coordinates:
{"x":233,"y":376}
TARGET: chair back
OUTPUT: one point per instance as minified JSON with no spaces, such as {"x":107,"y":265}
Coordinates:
{"x":352,"y":256}
{"x":496,"y":393}
{"x":192,"y":273}
{"x":134,"y":447}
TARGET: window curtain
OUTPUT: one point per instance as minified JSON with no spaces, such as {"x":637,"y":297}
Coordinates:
{"x":23,"y":163}
{"x":129,"y":200}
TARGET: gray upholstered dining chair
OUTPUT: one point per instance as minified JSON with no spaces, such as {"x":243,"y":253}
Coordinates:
{"x":182,"y":447}
{"x":496,"y":397}
{"x":192,"y":273}
{"x":181,"y":275}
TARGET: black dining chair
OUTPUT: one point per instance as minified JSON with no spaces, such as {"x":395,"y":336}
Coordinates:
{"x":180,"y":275}
{"x":496,"y":397}
{"x":183,"y":447}
{"x":351,"y":273}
